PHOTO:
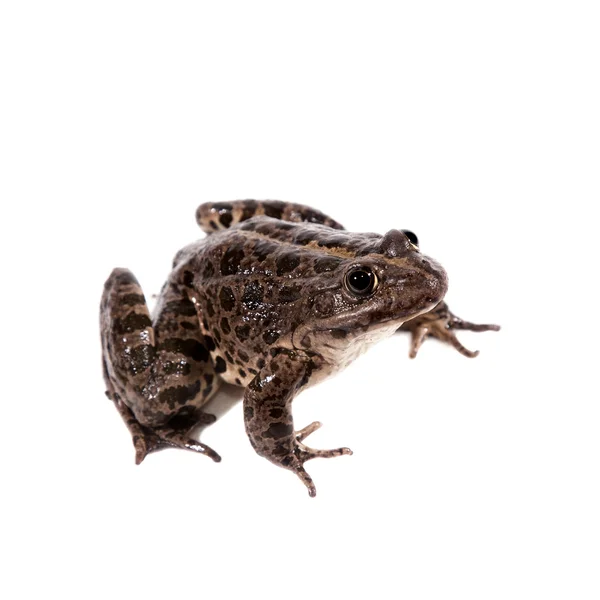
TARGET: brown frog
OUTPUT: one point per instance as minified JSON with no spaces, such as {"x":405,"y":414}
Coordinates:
{"x":277,"y":297}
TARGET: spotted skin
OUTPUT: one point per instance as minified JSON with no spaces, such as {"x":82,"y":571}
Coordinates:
{"x":215,"y":216}
{"x":263,"y":302}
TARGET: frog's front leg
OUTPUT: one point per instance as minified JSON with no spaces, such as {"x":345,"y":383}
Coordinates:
{"x":268,"y":414}
{"x":441,"y":323}
{"x":157,"y":374}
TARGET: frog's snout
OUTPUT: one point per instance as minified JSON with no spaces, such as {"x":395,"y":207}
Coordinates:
{"x":436,"y":279}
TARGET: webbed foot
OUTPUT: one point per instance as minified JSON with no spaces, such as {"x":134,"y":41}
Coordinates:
{"x":176,"y":434}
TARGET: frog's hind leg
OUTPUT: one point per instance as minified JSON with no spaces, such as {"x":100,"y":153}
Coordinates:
{"x":441,"y":323}
{"x":157,"y":375}
{"x":212,"y":216}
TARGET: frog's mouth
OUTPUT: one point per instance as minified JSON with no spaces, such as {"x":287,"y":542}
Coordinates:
{"x":338,"y":327}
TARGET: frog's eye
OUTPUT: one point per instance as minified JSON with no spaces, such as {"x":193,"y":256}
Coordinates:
{"x":361,"y":281}
{"x":412,"y":238}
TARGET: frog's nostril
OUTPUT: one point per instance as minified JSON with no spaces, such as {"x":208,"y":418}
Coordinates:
{"x":395,"y":243}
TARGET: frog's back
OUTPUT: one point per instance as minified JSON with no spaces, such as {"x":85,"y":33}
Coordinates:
{"x":255,"y":280}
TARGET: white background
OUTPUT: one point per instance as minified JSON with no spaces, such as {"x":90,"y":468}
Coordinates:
{"x":476,"y":124}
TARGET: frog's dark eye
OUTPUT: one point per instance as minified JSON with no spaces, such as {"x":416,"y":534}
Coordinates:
{"x":412,"y":238}
{"x":361,"y":281}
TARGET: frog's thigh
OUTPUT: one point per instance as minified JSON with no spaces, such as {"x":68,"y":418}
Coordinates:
{"x":158,"y":372}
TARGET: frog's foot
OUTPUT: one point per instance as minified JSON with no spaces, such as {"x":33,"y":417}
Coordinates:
{"x":176,"y":434}
{"x":303,"y":453}
{"x":441,"y":323}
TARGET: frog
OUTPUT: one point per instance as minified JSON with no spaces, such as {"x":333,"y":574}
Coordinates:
{"x":275,"y":298}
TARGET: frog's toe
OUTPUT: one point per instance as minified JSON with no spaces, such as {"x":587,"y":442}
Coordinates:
{"x":302,"y":453}
{"x":180,"y":439}
{"x":447,"y":335}
{"x":306,"y":480}
{"x":206,"y":418}
{"x":468,"y":326}
{"x":145,"y":442}
{"x":306,"y":431}
{"x":149,"y":441}
{"x":442,"y":324}
{"x":305,"y":453}
{"x":196,"y":446}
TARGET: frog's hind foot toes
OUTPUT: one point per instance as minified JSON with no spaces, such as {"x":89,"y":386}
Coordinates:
{"x":173,"y":438}
{"x":153,"y":440}
{"x":145,"y":442}
{"x":176,"y":434}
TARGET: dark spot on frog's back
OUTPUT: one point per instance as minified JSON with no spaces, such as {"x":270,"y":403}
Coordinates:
{"x":327,"y":263}
{"x":227,"y":298}
{"x":231,"y":261}
{"x":253,"y":295}
{"x":271,"y":336}
{"x":289,"y":293}
{"x":287,"y":262}
{"x":184,"y":307}
{"x":242,"y":332}
{"x":263,"y":249}
{"x":225,"y":325}
{"x":220,"y":365}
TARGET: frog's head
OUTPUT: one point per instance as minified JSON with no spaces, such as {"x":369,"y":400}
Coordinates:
{"x":371,"y":294}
